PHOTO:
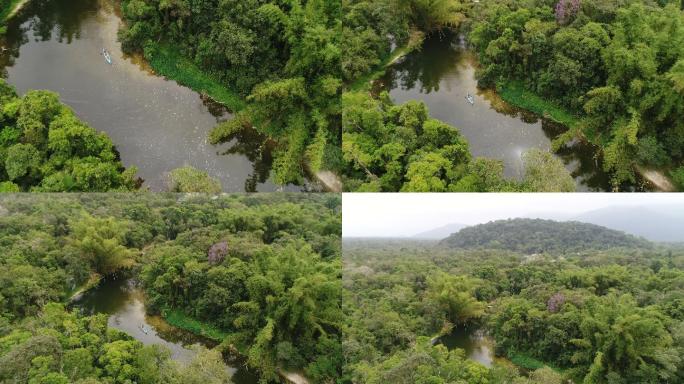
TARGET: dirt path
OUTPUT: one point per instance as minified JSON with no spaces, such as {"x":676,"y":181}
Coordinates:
{"x":330,"y":180}
{"x":661,"y":182}
{"x":293,"y":378}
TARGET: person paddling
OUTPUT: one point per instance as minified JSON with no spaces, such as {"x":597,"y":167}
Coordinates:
{"x":470,"y":99}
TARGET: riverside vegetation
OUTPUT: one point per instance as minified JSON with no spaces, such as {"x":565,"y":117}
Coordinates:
{"x":391,"y":147}
{"x":276,"y":64}
{"x":594,"y":306}
{"x":260,"y":274}
{"x":45,"y":147}
{"x":610,"y":71}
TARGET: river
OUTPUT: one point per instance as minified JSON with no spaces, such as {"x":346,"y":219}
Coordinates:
{"x":125,"y":304}
{"x":475,"y":343}
{"x":156,"y":124}
{"x":442,"y":74}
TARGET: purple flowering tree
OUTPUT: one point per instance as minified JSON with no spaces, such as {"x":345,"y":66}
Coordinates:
{"x":566,"y":9}
{"x":555,"y":302}
{"x":217,"y":252}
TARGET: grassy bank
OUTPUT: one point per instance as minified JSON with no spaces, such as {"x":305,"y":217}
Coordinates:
{"x":527,"y":362}
{"x":530,"y":363}
{"x":183,"y":321}
{"x":515,"y":93}
{"x":169,"y":62}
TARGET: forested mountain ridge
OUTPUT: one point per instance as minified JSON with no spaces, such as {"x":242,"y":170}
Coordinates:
{"x":282,"y":57}
{"x":264,"y":269}
{"x":541,"y":236}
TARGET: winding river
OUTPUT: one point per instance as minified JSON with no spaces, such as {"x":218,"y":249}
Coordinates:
{"x":125,"y":305}
{"x":442,"y":74}
{"x":156,"y":124}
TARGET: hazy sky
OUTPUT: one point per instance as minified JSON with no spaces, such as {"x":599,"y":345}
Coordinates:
{"x":405,"y":214}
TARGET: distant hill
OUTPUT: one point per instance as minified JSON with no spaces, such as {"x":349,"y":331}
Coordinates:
{"x":656,"y":224}
{"x":537,"y":236}
{"x":440,"y":232}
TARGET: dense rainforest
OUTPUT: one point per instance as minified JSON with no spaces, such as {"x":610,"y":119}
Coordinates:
{"x":275,"y":63}
{"x":613,"y":315}
{"x":617,"y":66}
{"x":531,"y":236}
{"x":611,"y":71}
{"x":62,"y":347}
{"x":45,"y":147}
{"x":260,"y":274}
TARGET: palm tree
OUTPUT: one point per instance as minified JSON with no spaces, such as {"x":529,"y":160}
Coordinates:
{"x":433,"y":15}
{"x":452,"y":295}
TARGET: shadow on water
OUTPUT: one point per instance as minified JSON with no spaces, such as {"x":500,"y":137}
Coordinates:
{"x":442,"y":74}
{"x":156,"y":124}
{"x":125,"y":305}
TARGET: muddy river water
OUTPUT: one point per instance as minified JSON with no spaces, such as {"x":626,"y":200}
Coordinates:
{"x":156,"y":124}
{"x":442,"y":74}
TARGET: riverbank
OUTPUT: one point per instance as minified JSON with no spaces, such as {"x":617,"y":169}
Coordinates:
{"x":170,"y":63}
{"x":480,"y":347}
{"x":11,"y":8}
{"x":515,"y":93}
{"x":441,"y":73}
{"x":182,"y":321}
{"x":365,"y":82}
{"x":92,"y":282}
{"x":167,"y":61}
{"x":657,"y":178}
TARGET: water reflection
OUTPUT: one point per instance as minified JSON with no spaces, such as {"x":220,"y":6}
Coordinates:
{"x":442,"y":74}
{"x":155,"y":124}
{"x":475,"y":343}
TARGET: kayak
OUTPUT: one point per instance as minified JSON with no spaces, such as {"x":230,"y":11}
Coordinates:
{"x":107,"y":56}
